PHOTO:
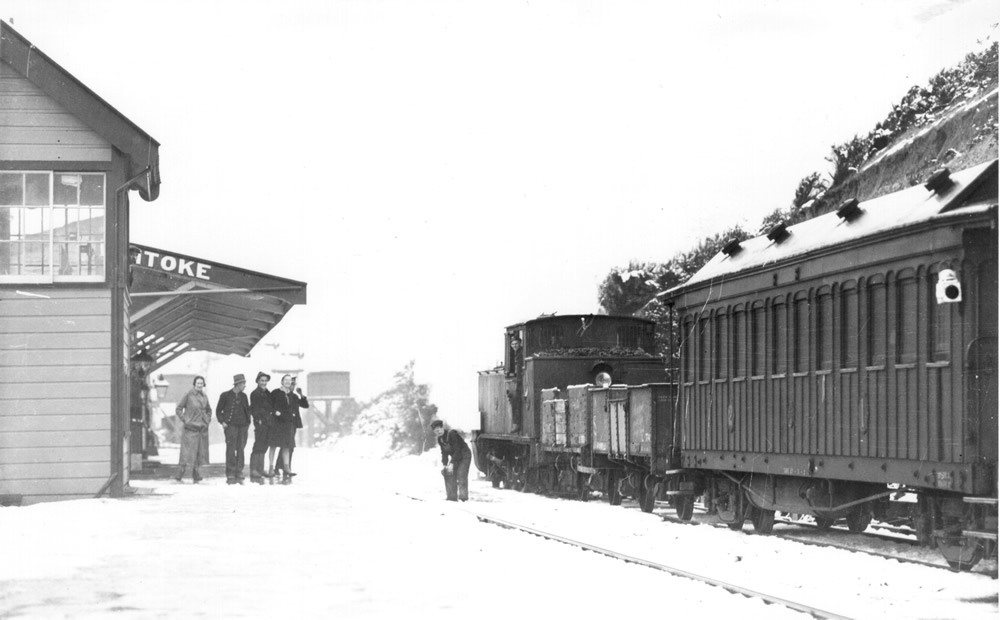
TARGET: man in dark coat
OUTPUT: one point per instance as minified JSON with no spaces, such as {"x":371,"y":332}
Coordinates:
{"x":260,"y":411}
{"x":233,"y":413}
{"x":456,"y":458}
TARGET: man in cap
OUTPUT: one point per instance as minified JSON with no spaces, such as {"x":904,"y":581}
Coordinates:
{"x":456,"y":458}
{"x":261,"y":412}
{"x":233,"y":413}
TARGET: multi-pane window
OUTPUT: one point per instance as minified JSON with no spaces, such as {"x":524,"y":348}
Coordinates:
{"x":906,"y":321}
{"x":52,"y":227}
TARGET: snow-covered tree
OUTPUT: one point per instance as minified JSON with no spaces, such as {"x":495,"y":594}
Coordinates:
{"x":403,"y":412}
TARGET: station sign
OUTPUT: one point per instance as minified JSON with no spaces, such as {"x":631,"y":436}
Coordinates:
{"x":172,"y":264}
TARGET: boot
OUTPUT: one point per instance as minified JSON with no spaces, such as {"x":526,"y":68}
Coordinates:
{"x":180,"y":475}
{"x":196,"y":477}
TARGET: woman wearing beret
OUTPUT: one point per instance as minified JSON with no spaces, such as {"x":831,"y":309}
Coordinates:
{"x":195,"y":413}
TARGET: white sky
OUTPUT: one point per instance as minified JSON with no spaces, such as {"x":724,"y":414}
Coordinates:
{"x":438,"y":170}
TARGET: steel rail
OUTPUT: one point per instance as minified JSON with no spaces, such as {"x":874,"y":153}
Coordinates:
{"x":677,"y":572}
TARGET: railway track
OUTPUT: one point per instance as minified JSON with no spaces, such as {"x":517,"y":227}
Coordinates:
{"x":770,"y":599}
{"x":894,"y":537}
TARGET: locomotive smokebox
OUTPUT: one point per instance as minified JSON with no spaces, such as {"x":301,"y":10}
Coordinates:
{"x":949,"y":289}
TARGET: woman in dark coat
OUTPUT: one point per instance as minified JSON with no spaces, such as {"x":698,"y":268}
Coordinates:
{"x":282,"y":433}
{"x":195,"y":413}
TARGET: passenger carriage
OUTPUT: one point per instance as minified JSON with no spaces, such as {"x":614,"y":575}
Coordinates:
{"x":835,"y":366}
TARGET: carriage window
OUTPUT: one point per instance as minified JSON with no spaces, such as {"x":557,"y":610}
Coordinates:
{"x":801,"y":333}
{"x":940,"y":326}
{"x":687,"y":347}
{"x":52,"y":227}
{"x":906,"y":322}
{"x":849,"y":327}
{"x":757,"y":345}
{"x":779,"y":339}
{"x":704,"y":352}
{"x":824,"y":330}
{"x":875,"y":323}
{"x":721,"y":349}
{"x":739,"y":331}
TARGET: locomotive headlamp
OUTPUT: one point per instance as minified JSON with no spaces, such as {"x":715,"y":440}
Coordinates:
{"x":949,"y":289}
{"x":603,"y":380}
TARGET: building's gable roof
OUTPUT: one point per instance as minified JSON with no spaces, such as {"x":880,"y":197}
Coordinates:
{"x":141,"y":150}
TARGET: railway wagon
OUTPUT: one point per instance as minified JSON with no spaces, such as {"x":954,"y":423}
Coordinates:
{"x":634,"y":441}
{"x":553,"y":352}
{"x":832,"y":367}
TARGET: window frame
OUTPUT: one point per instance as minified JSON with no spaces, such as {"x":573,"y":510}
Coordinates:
{"x":51,"y":246}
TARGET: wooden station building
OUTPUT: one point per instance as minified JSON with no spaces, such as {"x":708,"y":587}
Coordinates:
{"x":86,"y":315}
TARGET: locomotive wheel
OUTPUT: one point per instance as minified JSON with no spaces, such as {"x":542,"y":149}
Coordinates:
{"x":961,"y":552}
{"x":684,"y":505}
{"x":763,"y":520}
{"x":858,"y":519}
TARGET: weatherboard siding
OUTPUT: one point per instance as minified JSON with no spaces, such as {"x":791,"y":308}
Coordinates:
{"x":34,"y":127}
{"x":55,"y":393}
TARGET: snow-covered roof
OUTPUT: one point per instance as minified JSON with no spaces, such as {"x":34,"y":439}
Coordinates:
{"x":897,"y":210}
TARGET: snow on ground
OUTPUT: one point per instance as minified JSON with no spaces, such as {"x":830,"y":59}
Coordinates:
{"x":348,"y":540}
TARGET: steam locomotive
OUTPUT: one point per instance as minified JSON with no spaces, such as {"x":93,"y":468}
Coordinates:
{"x":843,"y":368}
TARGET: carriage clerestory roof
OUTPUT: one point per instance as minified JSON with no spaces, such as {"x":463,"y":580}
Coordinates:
{"x":883,"y":215}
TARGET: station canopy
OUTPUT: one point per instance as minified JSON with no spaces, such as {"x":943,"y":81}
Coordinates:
{"x":181,"y":303}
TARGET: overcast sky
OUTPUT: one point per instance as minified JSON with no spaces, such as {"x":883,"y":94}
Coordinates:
{"x":436,"y":171}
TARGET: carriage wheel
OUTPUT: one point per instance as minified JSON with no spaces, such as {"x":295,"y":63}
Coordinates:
{"x":961,"y":552}
{"x":684,"y":505}
{"x":763,"y":520}
{"x":647,"y":496}
{"x":858,"y":519}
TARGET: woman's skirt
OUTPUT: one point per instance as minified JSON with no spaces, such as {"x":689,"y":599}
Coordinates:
{"x":194,"y":448}
{"x":281,"y":435}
